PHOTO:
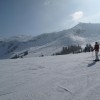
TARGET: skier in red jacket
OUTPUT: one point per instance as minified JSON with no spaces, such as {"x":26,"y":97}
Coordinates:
{"x":96,"y":48}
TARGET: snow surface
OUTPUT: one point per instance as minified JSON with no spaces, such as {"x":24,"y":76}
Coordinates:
{"x":67,"y":77}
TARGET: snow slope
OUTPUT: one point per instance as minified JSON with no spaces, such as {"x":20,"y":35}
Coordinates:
{"x":49,"y":43}
{"x":67,"y":77}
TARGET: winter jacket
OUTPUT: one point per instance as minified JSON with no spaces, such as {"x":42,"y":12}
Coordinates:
{"x":96,"y":47}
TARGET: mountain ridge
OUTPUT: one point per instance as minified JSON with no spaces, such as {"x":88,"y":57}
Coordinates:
{"x":49,"y":43}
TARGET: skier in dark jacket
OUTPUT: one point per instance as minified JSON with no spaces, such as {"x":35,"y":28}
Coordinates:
{"x":96,"y":48}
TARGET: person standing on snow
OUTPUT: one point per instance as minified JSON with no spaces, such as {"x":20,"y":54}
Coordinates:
{"x":96,"y":48}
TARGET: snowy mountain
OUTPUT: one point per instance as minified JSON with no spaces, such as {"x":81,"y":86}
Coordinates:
{"x":67,"y":77}
{"x":49,"y":43}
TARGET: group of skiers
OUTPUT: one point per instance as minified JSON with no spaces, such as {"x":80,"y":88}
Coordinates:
{"x":96,"y":49}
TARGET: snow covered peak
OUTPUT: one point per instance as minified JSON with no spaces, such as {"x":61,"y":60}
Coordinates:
{"x":90,"y":31}
{"x":50,"y":43}
{"x":92,"y":26}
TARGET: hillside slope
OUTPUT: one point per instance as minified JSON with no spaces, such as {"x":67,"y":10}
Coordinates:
{"x":49,"y":43}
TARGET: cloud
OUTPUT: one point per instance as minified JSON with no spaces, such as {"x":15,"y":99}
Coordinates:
{"x":76,"y":16}
{"x":78,"y":38}
{"x":94,"y":18}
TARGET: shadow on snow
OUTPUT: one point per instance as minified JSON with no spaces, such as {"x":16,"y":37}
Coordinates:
{"x":91,"y":64}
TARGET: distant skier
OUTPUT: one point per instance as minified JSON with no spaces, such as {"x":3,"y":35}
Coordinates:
{"x":96,"y":48}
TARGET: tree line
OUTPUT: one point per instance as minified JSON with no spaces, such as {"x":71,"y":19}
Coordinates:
{"x":69,"y":49}
{"x":75,"y":49}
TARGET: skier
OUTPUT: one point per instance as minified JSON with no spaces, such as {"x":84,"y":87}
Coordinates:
{"x":96,"y":48}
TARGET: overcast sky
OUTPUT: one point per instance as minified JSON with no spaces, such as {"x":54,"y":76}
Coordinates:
{"x":33,"y":17}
